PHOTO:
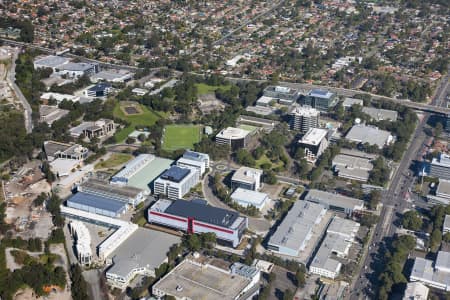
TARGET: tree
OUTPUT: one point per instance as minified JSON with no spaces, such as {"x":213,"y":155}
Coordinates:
{"x":411,"y":220}
{"x":438,"y":129}
{"x":300,"y":278}
{"x":374,"y":199}
{"x":79,"y":285}
{"x":244,"y":157}
{"x":288,"y":295}
{"x":435,"y":240}
{"x":270,"y":177}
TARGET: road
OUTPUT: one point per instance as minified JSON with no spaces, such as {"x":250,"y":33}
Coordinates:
{"x":12,"y":83}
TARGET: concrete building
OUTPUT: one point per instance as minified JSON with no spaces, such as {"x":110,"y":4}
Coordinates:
{"x":446,"y":226}
{"x":349,"y":102}
{"x":416,"y":291}
{"x":199,"y":277}
{"x":50,"y":61}
{"x":131,"y":168}
{"x":82,"y":239}
{"x":54,"y":150}
{"x":353,"y":166}
{"x":369,"y":134}
{"x":303,"y":118}
{"x":176,"y":182}
{"x":196,"y":217}
{"x":235,"y":138}
{"x":314,"y":142}
{"x":440,"y":167}
{"x":99,"y":90}
{"x":437,"y":275}
{"x":127,"y":194}
{"x":197,"y":160}
{"x":140,"y":254}
{"x":246,"y":178}
{"x":266,"y":124}
{"x":338,"y":240}
{"x":98,"y":129}
{"x":76,"y":70}
{"x":246,"y":198}
{"x":378,"y":114}
{"x":442,"y":195}
{"x":50,"y":114}
{"x":45,"y":97}
{"x":319,"y":99}
{"x":95,"y":204}
{"x":295,"y":231}
{"x":265,"y":101}
{"x":112,"y":76}
{"x":335,"y":202}
{"x":284,"y":95}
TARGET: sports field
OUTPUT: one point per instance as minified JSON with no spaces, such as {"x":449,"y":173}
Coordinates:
{"x":180,"y":137}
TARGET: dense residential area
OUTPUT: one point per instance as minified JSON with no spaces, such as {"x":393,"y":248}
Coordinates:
{"x":290,"y":149}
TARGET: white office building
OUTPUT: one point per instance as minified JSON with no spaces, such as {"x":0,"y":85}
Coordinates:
{"x":235,"y":138}
{"x":246,"y":178}
{"x":246,"y":198}
{"x":176,"y":182}
{"x":197,"y":160}
{"x":303,"y":118}
{"x":314,"y":142}
{"x":437,"y":276}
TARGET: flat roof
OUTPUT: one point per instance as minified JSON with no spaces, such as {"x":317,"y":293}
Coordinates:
{"x":100,"y":87}
{"x":145,"y":176}
{"x":380,"y":114}
{"x":265,"y":100}
{"x":202,"y":281}
{"x":443,"y":187}
{"x":443,"y":160}
{"x":198,"y":156}
{"x":443,"y":260}
{"x":51,"y":61}
{"x":348,"y":102}
{"x":110,"y":75}
{"x":314,"y":136}
{"x":323,"y":259}
{"x":368,"y":134}
{"x":260,"y":110}
{"x":320,"y":93}
{"x":113,"y":190}
{"x":203,"y":213}
{"x":76,"y":67}
{"x":295,"y":228}
{"x":144,"y":248}
{"x":252,"y":197}
{"x":99,"y":202}
{"x":231,"y":133}
{"x":246,"y":174}
{"x":334,"y":199}
{"x":175,"y":174}
{"x":423,"y":269}
{"x":52,"y":147}
{"x":447,"y":222}
{"x":304,"y":111}
{"x":344,"y":227}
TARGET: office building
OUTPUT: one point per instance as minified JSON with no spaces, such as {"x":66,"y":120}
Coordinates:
{"x":82,"y":239}
{"x":91,"y":129}
{"x":335,"y":202}
{"x":140,"y":254}
{"x":50,"y":114}
{"x":265,"y":101}
{"x":127,"y":194}
{"x":354,"y":165}
{"x":416,"y":291}
{"x":112,"y":76}
{"x":197,"y":160}
{"x":369,"y":134}
{"x":247,"y":198}
{"x":435,"y":275}
{"x":349,"y":102}
{"x":95,"y":204}
{"x":46,"y":97}
{"x":284,"y":95}
{"x":50,"y":61}
{"x":235,"y":138}
{"x":440,"y":167}
{"x":378,"y":114}
{"x":266,"y":124}
{"x":319,"y":99}
{"x":54,"y":150}
{"x":337,"y":242}
{"x":314,"y":142}
{"x":176,"y":182}
{"x":197,"y":217}
{"x":295,"y":231}
{"x":76,"y":70}
{"x":303,"y":118}
{"x":99,"y":90}
{"x":199,"y":277}
{"x":246,"y":178}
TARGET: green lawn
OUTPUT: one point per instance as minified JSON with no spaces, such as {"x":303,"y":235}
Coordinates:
{"x":115,"y":160}
{"x":203,"y":88}
{"x":264,"y":159}
{"x":180,"y":137}
{"x":146,"y":118}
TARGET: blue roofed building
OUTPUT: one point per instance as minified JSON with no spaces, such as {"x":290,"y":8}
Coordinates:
{"x":101,"y":89}
{"x":176,"y":181}
{"x":321,"y":100}
{"x":97,"y":204}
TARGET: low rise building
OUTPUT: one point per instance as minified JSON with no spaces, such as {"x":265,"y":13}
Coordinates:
{"x":295,"y":231}
{"x":246,"y":178}
{"x":265,"y":101}
{"x":369,"y":134}
{"x":416,"y":291}
{"x":131,"y":168}
{"x":77,"y":69}
{"x":378,"y":114}
{"x":314,"y":142}
{"x":335,"y":202}
{"x":91,"y":129}
{"x":247,"y":198}
{"x":349,"y":102}
{"x":440,"y":167}
{"x":112,"y":76}
{"x":436,"y":275}
{"x":353,"y":166}
{"x":46,"y":97}
{"x":50,"y":114}
{"x":446,"y":226}
{"x":303,"y":118}
{"x":176,"y":182}
{"x":99,"y":90}
{"x":284,"y":95}
{"x":235,"y":138}
{"x":197,"y":217}
{"x":321,"y":100}
{"x":100,"y":205}
{"x":54,"y":150}
{"x":50,"y":61}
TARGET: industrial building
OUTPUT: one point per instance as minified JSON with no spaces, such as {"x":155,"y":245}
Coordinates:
{"x":337,"y":242}
{"x":246,"y":178}
{"x":353,"y":165}
{"x":440,"y":167}
{"x":54,"y":150}
{"x":369,"y":134}
{"x":176,"y":182}
{"x":112,"y":76}
{"x":314,"y":142}
{"x":91,"y":129}
{"x":50,"y":61}
{"x":295,"y":231}
{"x":140,"y":254}
{"x":76,"y":69}
{"x":196,"y":217}
{"x":197,"y":160}
{"x":199,"y":277}
{"x":82,"y":240}
{"x":436,"y":275}
{"x":303,"y":118}
{"x":235,"y":138}
{"x":319,"y":99}
{"x":97,"y":204}
{"x":378,"y":114}
{"x":247,"y":198}
{"x":284,"y":95}
{"x":127,"y":194}
{"x":50,"y":114}
{"x":416,"y":291}
{"x":335,"y":202}
{"x":99,"y":90}
{"x":131,"y":168}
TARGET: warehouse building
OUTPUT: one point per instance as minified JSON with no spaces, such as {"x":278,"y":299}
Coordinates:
{"x":314,"y":142}
{"x":199,"y":277}
{"x":295,"y":231}
{"x":131,"y":168}
{"x":335,"y":202}
{"x":369,"y":134}
{"x":196,"y":217}
{"x":128,"y":194}
{"x":303,"y":118}
{"x":246,"y":178}
{"x":77,"y":69}
{"x":97,"y":204}
{"x":176,"y":182}
{"x":247,"y":198}
{"x":140,"y":254}
{"x":435,"y":275}
{"x":235,"y":138}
